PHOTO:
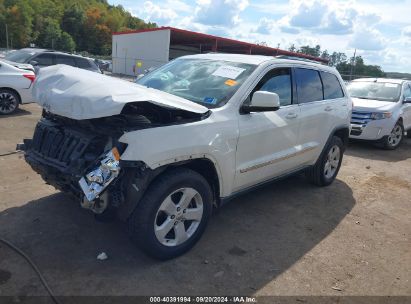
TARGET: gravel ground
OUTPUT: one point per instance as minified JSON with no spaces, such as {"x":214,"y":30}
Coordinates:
{"x":289,"y":238}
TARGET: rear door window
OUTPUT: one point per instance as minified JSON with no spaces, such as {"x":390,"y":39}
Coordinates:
{"x":62,"y":59}
{"x":407,"y":91}
{"x":83,"y":63}
{"x":44,"y":59}
{"x":309,"y":85}
{"x":332,"y":87}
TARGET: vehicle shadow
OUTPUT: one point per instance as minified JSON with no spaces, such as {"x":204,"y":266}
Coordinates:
{"x":369,"y":150}
{"x":249,"y":242}
{"x":18,"y":112}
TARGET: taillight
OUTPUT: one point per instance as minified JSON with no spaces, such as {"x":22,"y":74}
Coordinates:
{"x":32,"y":77}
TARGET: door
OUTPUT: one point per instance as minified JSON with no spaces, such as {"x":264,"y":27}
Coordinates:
{"x":267,"y":140}
{"x":320,"y":97}
{"x":406,"y":108}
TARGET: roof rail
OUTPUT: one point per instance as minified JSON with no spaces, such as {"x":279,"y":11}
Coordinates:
{"x":297,"y":58}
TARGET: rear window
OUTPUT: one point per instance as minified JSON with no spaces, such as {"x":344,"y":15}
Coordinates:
{"x":309,"y":86}
{"x":332,"y":87}
{"x":44,"y":59}
{"x":19,"y":56}
{"x":62,"y":59}
{"x":83,"y":63}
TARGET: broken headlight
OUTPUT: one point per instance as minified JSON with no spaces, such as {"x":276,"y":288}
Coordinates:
{"x":97,"y":180}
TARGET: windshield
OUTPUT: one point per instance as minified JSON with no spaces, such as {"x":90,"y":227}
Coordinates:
{"x":19,"y":56}
{"x":208,"y":82}
{"x":383,"y":91}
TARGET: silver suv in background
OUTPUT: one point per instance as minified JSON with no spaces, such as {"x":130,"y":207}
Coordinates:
{"x":382,"y":110}
{"x":42,"y":58}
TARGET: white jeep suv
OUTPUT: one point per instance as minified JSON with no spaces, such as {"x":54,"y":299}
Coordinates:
{"x":188,"y":136}
{"x":382,"y":110}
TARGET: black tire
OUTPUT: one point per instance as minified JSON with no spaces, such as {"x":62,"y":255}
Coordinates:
{"x":409,"y":133}
{"x":317,"y":173}
{"x":9,"y":101}
{"x":388,"y":143}
{"x":142,"y":221}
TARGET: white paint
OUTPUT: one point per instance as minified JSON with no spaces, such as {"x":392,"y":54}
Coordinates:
{"x":235,"y":142}
{"x":12,"y":77}
{"x":150,"y":48}
{"x":82,"y":94}
{"x":377,"y":129}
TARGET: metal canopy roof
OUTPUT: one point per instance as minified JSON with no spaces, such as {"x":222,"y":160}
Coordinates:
{"x":211,"y":43}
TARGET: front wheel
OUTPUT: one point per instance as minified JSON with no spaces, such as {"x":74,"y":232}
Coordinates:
{"x":393,"y":140}
{"x":327,"y":166}
{"x":172,"y":215}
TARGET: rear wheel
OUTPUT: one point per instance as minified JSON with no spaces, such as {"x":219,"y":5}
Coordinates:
{"x":327,"y":166}
{"x":172,"y":215}
{"x":9,"y":101}
{"x":393,"y":140}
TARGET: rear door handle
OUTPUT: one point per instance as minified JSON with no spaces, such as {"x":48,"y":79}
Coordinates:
{"x":291,"y":115}
{"x":328,"y":108}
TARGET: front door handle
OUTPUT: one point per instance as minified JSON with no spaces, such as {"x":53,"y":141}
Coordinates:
{"x":291,"y":115}
{"x":328,"y":108}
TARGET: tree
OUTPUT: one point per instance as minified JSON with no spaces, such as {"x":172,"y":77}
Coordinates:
{"x":51,"y":34}
{"x":337,"y":58}
{"x":66,"y":43}
{"x":65,"y":24}
{"x":19,"y":20}
{"x":313,"y":51}
{"x":73,"y":22}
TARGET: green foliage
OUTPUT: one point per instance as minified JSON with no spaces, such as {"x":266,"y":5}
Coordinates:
{"x":67,"y":25}
{"x":344,"y":66}
{"x":66,"y":43}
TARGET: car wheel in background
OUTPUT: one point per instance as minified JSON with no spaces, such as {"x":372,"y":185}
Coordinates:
{"x":172,"y":215}
{"x":328,"y":164}
{"x":393,"y":140}
{"x":9,"y":101}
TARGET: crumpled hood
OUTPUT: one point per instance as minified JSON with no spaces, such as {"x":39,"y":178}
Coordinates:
{"x":372,"y":105}
{"x":80,"y":94}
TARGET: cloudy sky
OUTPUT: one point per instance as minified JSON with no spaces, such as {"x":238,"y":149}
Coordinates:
{"x":380,"y":30}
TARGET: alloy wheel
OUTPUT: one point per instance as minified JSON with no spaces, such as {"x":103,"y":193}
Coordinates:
{"x":8,"y":102}
{"x":396,"y":135}
{"x":332,"y":162}
{"x":178,"y":217}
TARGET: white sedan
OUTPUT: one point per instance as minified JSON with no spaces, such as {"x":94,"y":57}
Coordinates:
{"x":15,"y":87}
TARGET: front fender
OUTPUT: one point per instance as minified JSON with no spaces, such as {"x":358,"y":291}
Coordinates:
{"x":214,"y":138}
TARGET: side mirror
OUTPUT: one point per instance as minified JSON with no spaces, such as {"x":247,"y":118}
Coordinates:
{"x":262,"y":101}
{"x":33,"y":63}
{"x":407,"y":100}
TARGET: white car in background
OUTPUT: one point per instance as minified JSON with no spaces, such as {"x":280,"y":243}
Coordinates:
{"x":15,"y":87}
{"x":382,"y":110}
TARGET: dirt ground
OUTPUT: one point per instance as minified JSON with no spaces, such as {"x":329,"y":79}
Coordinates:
{"x":289,"y":238}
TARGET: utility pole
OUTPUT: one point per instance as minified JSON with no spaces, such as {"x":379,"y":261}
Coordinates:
{"x":353,"y":65}
{"x":7,"y":37}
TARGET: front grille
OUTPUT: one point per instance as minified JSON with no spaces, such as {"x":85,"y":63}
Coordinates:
{"x":57,"y":146}
{"x":360,"y":118}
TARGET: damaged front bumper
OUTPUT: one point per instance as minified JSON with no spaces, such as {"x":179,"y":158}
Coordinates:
{"x":96,"y":181}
